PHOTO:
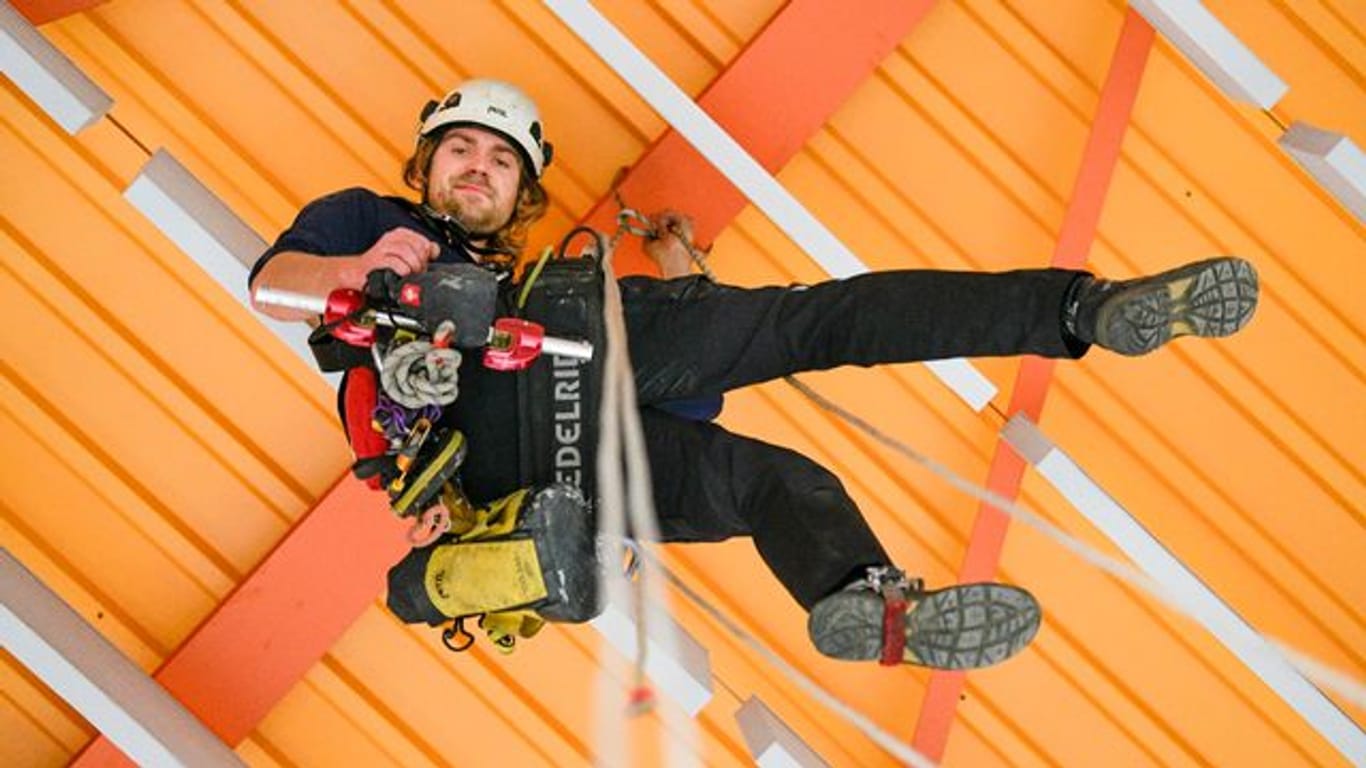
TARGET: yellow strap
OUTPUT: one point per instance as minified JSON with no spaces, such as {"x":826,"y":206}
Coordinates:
{"x":531,"y":279}
{"x":505,"y":627}
{"x":428,"y":475}
{"x":463,"y":515}
{"x":497,"y":519}
{"x":520,"y":623}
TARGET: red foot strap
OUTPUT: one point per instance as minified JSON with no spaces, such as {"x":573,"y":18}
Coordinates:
{"x":362,"y":392}
{"x":893,"y":628}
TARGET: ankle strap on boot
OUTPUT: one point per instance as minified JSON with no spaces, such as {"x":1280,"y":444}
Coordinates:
{"x":896,"y":591}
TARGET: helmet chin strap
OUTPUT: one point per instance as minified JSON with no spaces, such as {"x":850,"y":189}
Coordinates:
{"x":458,"y":236}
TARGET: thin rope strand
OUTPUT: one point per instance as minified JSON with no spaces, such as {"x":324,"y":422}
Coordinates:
{"x":899,"y":749}
{"x":624,"y":467}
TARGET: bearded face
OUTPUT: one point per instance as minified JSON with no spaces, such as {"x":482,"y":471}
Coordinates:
{"x":474,"y":178}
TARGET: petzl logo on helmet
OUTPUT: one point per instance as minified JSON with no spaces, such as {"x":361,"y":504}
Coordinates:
{"x":497,"y":111}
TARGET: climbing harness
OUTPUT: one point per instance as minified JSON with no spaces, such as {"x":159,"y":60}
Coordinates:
{"x":398,"y":341}
{"x":530,"y":557}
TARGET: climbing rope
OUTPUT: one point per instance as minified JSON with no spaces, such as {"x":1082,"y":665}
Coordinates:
{"x":420,"y":373}
{"x":882,"y":738}
{"x":623,"y":483}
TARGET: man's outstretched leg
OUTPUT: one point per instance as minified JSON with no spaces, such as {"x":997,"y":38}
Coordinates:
{"x":888,"y":617}
{"x":711,"y":484}
{"x":694,"y":337}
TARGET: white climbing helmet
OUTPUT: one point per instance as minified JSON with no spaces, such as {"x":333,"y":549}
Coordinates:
{"x":497,"y":106}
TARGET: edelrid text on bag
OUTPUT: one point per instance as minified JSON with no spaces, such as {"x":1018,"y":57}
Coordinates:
{"x":558,"y":397}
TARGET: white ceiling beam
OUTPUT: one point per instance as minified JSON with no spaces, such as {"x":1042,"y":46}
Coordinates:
{"x":737,"y":165}
{"x":96,"y":679}
{"x":1184,"y":587}
{"x":1334,"y":160}
{"x":771,"y":743}
{"x":46,"y":75}
{"x":190,"y":215}
{"x":1214,"y":50}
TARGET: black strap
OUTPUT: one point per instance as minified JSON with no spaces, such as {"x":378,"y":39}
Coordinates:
{"x":450,"y":230}
{"x":332,"y":353}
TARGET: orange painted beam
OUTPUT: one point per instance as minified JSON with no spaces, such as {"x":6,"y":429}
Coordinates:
{"x":772,"y":98}
{"x":291,"y":609}
{"x":282,"y":618}
{"x":42,"y":11}
{"x":1036,"y":374}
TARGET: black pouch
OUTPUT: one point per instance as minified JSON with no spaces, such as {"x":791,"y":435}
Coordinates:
{"x":532,"y":550}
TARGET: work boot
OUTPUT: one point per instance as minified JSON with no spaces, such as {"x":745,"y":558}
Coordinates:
{"x":961,"y":627}
{"x":1133,"y":317}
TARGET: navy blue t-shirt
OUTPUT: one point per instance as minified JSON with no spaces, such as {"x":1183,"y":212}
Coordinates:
{"x":347,"y":223}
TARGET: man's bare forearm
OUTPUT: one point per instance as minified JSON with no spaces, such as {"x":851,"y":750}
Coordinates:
{"x":403,"y":250}
{"x":307,"y":274}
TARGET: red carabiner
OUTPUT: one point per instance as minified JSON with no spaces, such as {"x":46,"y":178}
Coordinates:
{"x":341,"y":305}
{"x":514,"y":344}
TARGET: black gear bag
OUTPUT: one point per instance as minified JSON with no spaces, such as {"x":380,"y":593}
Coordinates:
{"x":558,"y":397}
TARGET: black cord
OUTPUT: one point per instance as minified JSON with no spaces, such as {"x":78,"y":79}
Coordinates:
{"x":599,"y":243}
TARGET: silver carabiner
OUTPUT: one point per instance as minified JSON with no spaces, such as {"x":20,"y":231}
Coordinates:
{"x":633,"y":222}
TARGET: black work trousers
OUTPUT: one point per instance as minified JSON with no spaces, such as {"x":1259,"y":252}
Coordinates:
{"x":690,"y":338}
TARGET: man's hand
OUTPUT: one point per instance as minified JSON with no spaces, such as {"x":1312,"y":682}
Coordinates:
{"x":400,"y":249}
{"x":669,"y":247}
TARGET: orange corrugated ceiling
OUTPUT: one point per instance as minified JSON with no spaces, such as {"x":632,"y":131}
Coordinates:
{"x":159,"y":441}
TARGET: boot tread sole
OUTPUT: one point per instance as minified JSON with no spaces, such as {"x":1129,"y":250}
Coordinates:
{"x":1211,"y":298}
{"x":962,"y":627}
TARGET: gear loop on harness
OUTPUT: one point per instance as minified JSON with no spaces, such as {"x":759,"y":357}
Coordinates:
{"x":456,"y":631}
{"x":429,"y":526}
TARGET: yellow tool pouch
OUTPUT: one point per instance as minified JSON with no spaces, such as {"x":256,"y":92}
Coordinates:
{"x":523,"y":560}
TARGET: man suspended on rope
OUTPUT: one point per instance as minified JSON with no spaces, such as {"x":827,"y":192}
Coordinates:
{"x":479,"y":157}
